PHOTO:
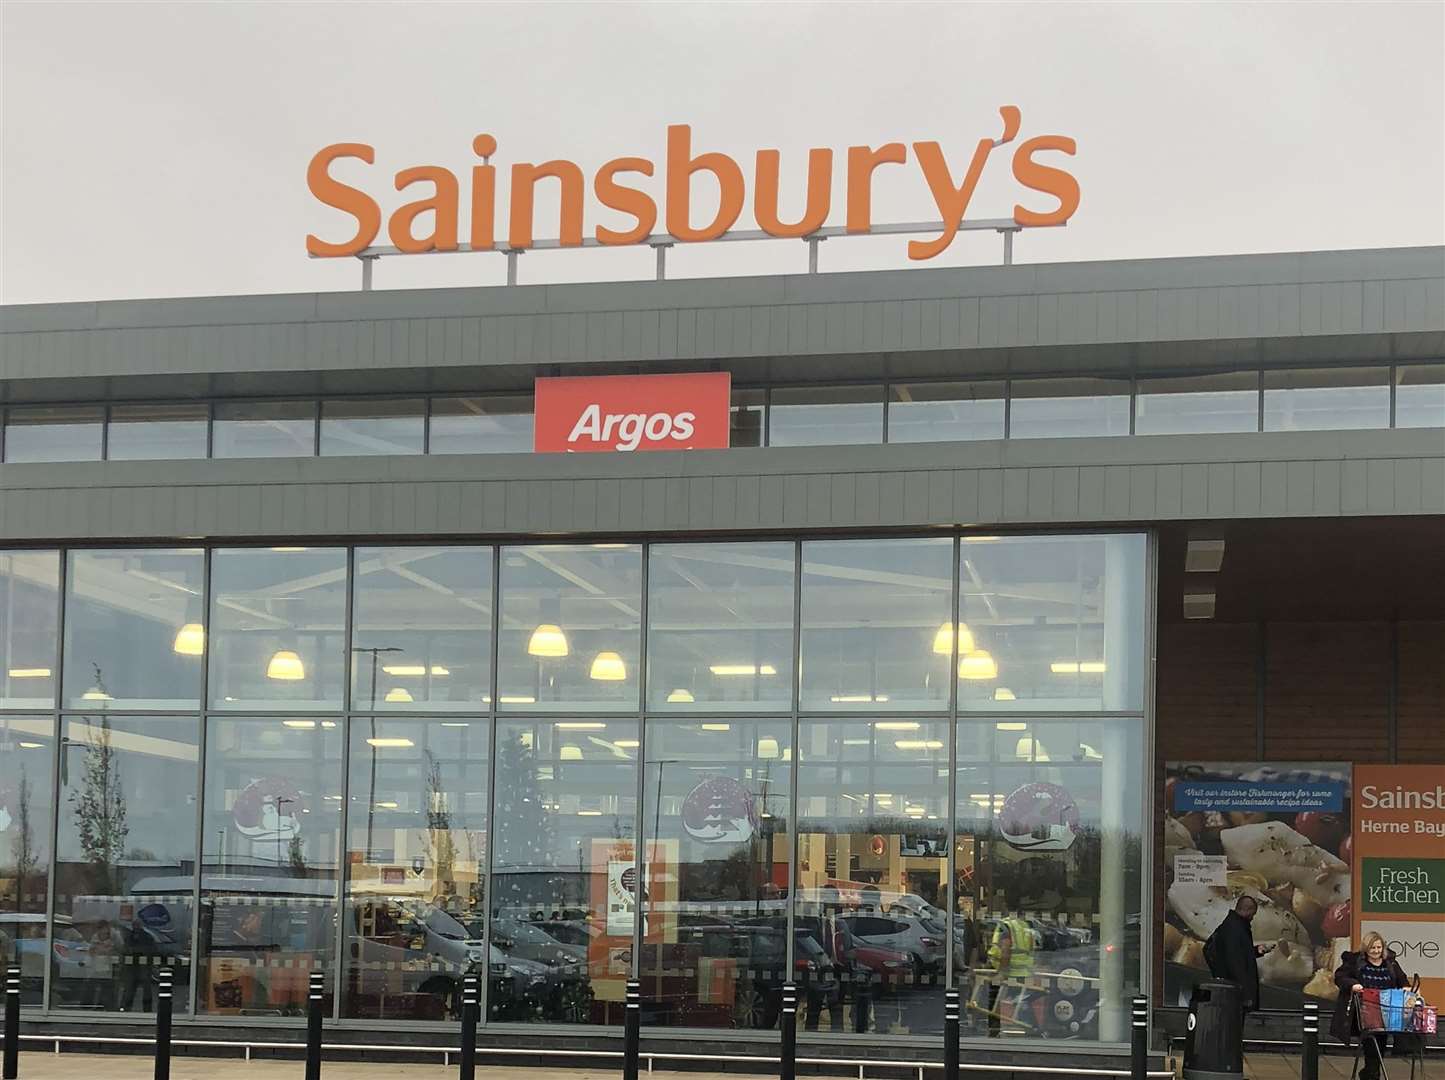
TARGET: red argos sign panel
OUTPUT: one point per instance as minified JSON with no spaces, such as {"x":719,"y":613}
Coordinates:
{"x":596,"y":413}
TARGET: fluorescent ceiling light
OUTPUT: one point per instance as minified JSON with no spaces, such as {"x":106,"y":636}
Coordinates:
{"x":1077,"y":667}
{"x":1203,"y":556}
{"x":385,"y":743}
{"x":580,"y":725}
{"x":456,"y":723}
{"x":627,"y":744}
{"x":853,"y":699}
{"x":589,"y":813}
{"x":29,"y":673}
{"x":918,"y":744}
{"x":298,"y":723}
{"x":413,"y":669}
{"x":517,"y":699}
{"x":896,"y":725}
{"x":717,"y":727}
{"x":743,"y":669}
{"x":1011,"y":725}
{"x":31,"y":745}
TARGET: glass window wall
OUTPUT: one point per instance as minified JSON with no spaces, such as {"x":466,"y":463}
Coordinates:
{"x":945,"y":412}
{"x":1329,"y":399}
{"x":825,"y":415}
{"x":134,"y":628}
{"x":264,"y":429}
{"x":873,"y":871}
{"x":720,"y":627}
{"x":872,"y":612}
{"x":125,"y":860}
{"x":481,"y":425}
{"x":1051,"y":622}
{"x":68,"y":433}
{"x":27,"y":803}
{"x":278,"y":616}
{"x":29,"y":625}
{"x":416,"y":855}
{"x":422,"y":629}
{"x":269,"y":868}
{"x":1049,"y":876}
{"x":1198,"y":404}
{"x":571,"y":627}
{"x":1420,"y":396}
{"x":564,"y":874}
{"x":1068,"y":408}
{"x":365,"y":427}
{"x":156,"y":432}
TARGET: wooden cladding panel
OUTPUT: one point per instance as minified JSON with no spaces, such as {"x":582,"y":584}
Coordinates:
{"x":1327,"y":692}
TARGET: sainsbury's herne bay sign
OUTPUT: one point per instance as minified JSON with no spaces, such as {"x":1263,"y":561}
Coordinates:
{"x":433,"y":222}
{"x":592,"y":413}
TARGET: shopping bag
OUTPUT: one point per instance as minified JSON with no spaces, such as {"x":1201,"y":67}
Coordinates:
{"x":1424,"y":1020}
{"x":1396,"y":1009}
{"x":1368,"y":1011}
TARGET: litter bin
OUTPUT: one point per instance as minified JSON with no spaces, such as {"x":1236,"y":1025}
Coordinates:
{"x":1212,"y":1048}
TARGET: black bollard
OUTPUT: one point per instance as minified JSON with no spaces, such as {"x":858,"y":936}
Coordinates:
{"x":1139,"y":1044}
{"x":12,"y":1023}
{"x":313,"y":1025}
{"x":165,"y":984}
{"x":1309,"y":1062}
{"x":632,"y":1033}
{"x":951,"y":1016}
{"x":471,"y":1008}
{"x":788,"y":1063}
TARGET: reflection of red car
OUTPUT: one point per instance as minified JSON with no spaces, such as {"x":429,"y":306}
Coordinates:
{"x":879,"y":962}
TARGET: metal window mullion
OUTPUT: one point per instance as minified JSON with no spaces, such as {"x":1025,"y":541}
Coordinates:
{"x":1150,"y":766}
{"x":639,"y":825}
{"x":426,"y":424}
{"x":1008,"y":406}
{"x":343,"y":876}
{"x":192,"y":991}
{"x":956,"y":612}
{"x":1394,"y":371}
{"x":1259,"y":400}
{"x":104,"y":432}
{"x":793,"y":772}
{"x":210,"y":429}
{"x":488,"y":883}
{"x":58,"y":730}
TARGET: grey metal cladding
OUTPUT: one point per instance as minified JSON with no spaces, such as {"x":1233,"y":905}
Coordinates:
{"x":1399,"y":291}
{"x":1035,"y":482}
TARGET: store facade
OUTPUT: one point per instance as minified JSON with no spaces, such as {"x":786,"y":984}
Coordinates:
{"x":356,"y":682}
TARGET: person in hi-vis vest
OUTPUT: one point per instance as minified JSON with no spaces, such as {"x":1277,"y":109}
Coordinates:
{"x":1011,"y":954}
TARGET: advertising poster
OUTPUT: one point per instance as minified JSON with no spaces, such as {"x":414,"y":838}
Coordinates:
{"x":1277,"y":831}
{"x":1399,"y":863}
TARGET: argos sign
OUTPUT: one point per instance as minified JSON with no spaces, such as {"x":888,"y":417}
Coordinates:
{"x":430,"y":219}
{"x":593,"y":413}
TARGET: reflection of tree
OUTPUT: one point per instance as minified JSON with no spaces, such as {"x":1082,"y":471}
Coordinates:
{"x":296,"y":854}
{"x":523,"y":831}
{"x":441,"y":846}
{"x":23,"y":846}
{"x":100,"y":814}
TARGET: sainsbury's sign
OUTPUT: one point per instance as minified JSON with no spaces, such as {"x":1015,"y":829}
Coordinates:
{"x":594,"y":413}
{"x":1054,"y":194}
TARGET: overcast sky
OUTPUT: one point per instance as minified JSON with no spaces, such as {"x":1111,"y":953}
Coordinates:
{"x":161,"y":149}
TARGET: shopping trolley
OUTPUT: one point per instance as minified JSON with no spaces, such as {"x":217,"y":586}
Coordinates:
{"x":1399,"y":1017}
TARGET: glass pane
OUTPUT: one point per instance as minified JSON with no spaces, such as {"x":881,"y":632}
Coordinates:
{"x":481,"y":425}
{"x":134,"y":637}
{"x":422,"y":629}
{"x":720,"y":626}
{"x":254,"y":429}
{"x":1198,"y":404}
{"x":1049,"y":876}
{"x":278,"y":616}
{"x":872,"y":610}
{"x":416,"y":852}
{"x":826,"y":416}
{"x":1051,"y":622}
{"x":29,"y":610}
{"x":1332,"y":399}
{"x":715,"y":945}
{"x":571,"y":616}
{"x":125,"y":860}
{"x":945,"y":412}
{"x":564,"y":870}
{"x":27,"y":756}
{"x":1068,"y":408}
{"x":156,"y":432}
{"x":1420,"y":396}
{"x":873,"y":870}
{"x":271,"y":840}
{"x":745,"y":418}
{"x":372,"y":427}
{"x":63,"y":434}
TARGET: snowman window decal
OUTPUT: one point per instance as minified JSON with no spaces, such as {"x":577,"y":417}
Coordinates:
{"x":720,"y":811}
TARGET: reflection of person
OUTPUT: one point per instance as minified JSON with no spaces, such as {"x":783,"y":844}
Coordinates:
{"x":1011,"y":953}
{"x":1232,"y":954}
{"x":1374,"y":967}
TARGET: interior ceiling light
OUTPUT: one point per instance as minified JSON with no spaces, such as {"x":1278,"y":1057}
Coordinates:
{"x":1203,"y":556}
{"x":298,"y":723}
{"x":1028,"y":749}
{"x":413,"y":669}
{"x":1003,"y":693}
{"x":1199,"y":605}
{"x":382,"y":743}
{"x":1078,"y":667}
{"x":386,"y":805}
{"x":856,"y":698}
{"x":286,"y":666}
{"x":517,"y":699}
{"x":743,"y":669}
{"x":95,"y":693}
{"x":943,"y":639}
{"x":31,"y":745}
{"x":190,"y":640}
{"x":627,"y":744}
{"x":978,"y":665}
{"x":680,"y":696}
{"x":896,"y":725}
{"x":1011,"y":725}
{"x":918,"y":744}
{"x":581,"y":725}
{"x":548,"y":640}
{"x":608,"y":667}
{"x":29,"y":673}
{"x":767,"y":748}
{"x":398,"y":693}
{"x":569,"y":752}
{"x":717,"y":727}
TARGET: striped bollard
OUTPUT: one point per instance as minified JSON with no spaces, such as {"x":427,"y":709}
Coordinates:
{"x":632,"y":1033}
{"x":1309,"y":1062}
{"x":1139,"y":1043}
{"x":471,"y":1006}
{"x":12,"y":1023}
{"x":952,"y":1014}
{"x":314,"y":995}
{"x":165,"y":986}
{"x":788,"y":1063}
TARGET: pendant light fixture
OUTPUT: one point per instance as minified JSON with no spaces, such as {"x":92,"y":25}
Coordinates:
{"x":398,"y":693}
{"x":978,"y":664}
{"x":285,"y":666}
{"x":190,"y":640}
{"x":680,"y":696}
{"x":95,"y":693}
{"x":548,"y":640}
{"x":608,"y":667}
{"x":943,"y":639}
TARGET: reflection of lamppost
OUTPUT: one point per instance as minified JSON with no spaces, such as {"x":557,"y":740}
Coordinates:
{"x":281,"y":802}
{"x":374,"y":650}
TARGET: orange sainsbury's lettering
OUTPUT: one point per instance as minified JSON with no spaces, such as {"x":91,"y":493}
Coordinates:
{"x":641,"y":209}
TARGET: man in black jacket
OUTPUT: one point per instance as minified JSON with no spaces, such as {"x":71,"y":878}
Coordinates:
{"x":1233,"y":955}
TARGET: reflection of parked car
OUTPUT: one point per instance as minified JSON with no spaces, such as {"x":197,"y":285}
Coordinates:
{"x":22,"y":942}
{"x":924,"y":943}
{"x":529,"y":942}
